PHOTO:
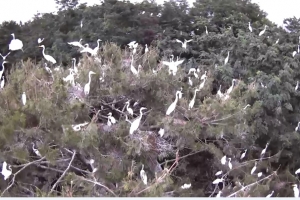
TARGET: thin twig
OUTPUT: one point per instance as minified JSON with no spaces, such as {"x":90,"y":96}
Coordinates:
{"x":99,"y":184}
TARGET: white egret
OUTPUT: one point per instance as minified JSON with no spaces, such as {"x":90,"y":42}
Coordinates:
{"x":194,"y":71}
{"x":298,"y":50}
{"x":132,"y":68}
{"x":173,"y":105}
{"x":264,"y":150}
{"x":15,"y":44}
{"x":24,"y":98}
{"x":219,"y":93}
{"x":76,"y":43}
{"x":219,"y":173}
{"x":81,"y":24}
{"x":297,"y":127}
{"x":229,"y":163}
{"x":6,"y":172}
{"x":48,"y":57}
{"x":40,"y":40}
{"x":297,"y":171}
{"x":202,"y":84}
{"x":184,"y":44}
{"x":2,"y":71}
{"x":259,"y":174}
{"x":186,"y":186}
{"x":110,"y":119}
{"x":131,"y":44}
{"x":297,"y":86}
{"x":4,"y":57}
{"x":143,"y":175}
{"x":161,"y":132}
{"x":70,"y":77}
{"x":87,"y":86}
{"x":134,"y":48}
{"x":226,"y":59}
{"x":277,"y":41}
{"x":219,"y":194}
{"x":74,"y":65}
{"x":146,"y":48}
{"x":223,"y":160}
{"x":36,"y":151}
{"x":243,"y":154}
{"x":250,"y":28}
{"x":129,"y":110}
{"x":263,"y":31}
{"x":294,"y":53}
{"x":136,"y":123}
{"x":191,"y":104}
{"x":190,"y":81}
{"x":79,"y":126}
{"x":2,"y":82}
{"x":173,"y":65}
{"x":217,"y":181}
{"x":269,"y":195}
{"x":206,"y":31}
{"x":87,"y":49}
{"x":296,"y":190}
{"x":204,"y":75}
{"x":231,"y":88}
{"x":96,"y":49}
{"x":254,"y":168}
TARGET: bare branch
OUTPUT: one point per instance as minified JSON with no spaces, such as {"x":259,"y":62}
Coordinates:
{"x":99,"y":184}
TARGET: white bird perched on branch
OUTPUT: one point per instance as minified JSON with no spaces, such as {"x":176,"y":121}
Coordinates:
{"x":202,"y":84}
{"x":227,"y":58}
{"x":219,"y":173}
{"x":184,"y":44}
{"x":191,"y":104}
{"x":269,"y":195}
{"x":161,"y":132}
{"x":219,"y":93}
{"x":48,"y":57}
{"x":231,"y":87}
{"x":217,"y":181}
{"x":143,"y":175}
{"x":194,"y":71}
{"x":24,"y":98}
{"x":296,"y":190}
{"x":173,"y":105}
{"x":131,"y":44}
{"x":297,"y":171}
{"x":229,"y":163}
{"x":87,"y":49}
{"x":4,"y":57}
{"x":297,"y":127}
{"x":259,"y":174}
{"x":129,"y":110}
{"x":264,"y":150}
{"x":15,"y":44}
{"x":36,"y":151}
{"x":74,"y":65}
{"x":40,"y":40}
{"x":146,"y":48}
{"x":204,"y":75}
{"x":206,"y":31}
{"x":250,"y":28}
{"x":297,"y":86}
{"x":243,"y":154}
{"x":77,"y":127}
{"x":48,"y":69}
{"x":136,"y":123}
{"x":110,"y":119}
{"x":173,"y":65}
{"x":6,"y":172}
{"x":186,"y":186}
{"x":70,"y":77}
{"x":254,"y":168}
{"x":263,"y":31}
{"x":76,"y":43}
{"x":96,"y":49}
{"x":87,"y":86}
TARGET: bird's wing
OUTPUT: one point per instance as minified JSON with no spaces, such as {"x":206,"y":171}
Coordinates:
{"x":166,"y":63}
{"x":179,"y":62}
{"x":189,"y":40}
{"x":179,"y":41}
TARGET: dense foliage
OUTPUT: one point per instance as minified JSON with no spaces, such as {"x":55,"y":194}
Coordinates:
{"x":195,"y":139}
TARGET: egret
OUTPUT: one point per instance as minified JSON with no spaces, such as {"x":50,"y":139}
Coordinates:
{"x":243,"y":154}
{"x":110,"y":119}
{"x":81,"y":24}
{"x":40,"y":40}
{"x":226,"y":59}
{"x":190,"y":81}
{"x":2,"y":82}
{"x":223,"y":160}
{"x":250,"y":28}
{"x":132,"y":68}
{"x":129,"y":110}
{"x":254,"y":168}
{"x":297,"y":128}
{"x":135,"y":124}
{"x":219,"y":93}
{"x":206,"y":31}
{"x":87,"y":86}
{"x":191,"y":104}
{"x":70,"y":77}
{"x":96,"y":49}
{"x":173,"y":65}
{"x":134,"y":48}
{"x":296,"y":190}
{"x":202,"y":84}
{"x":297,"y":171}
{"x":161,"y":132}
{"x":173,"y":105}
{"x":186,"y":186}
{"x":87,"y":49}
{"x":24,"y":98}
{"x":194,"y":71}
{"x":146,"y":49}
{"x":219,"y":194}
{"x":76,"y":43}
{"x":217,"y":181}
{"x":264,"y":150}
{"x":78,"y":126}
{"x":74,"y":65}
{"x":2,"y":71}
{"x":4,"y":57}
{"x":48,"y":57}
{"x":219,"y":173}
{"x":6,"y":172}
{"x":229,"y":163}
{"x":231,"y":88}
{"x":36,"y":151}
{"x":15,"y":44}
{"x":184,"y":44}
{"x":269,"y":195}
{"x":259,"y":174}
{"x":263,"y":31}
{"x":131,"y":44}
{"x":204,"y":75}
{"x":294,"y":53}
{"x":143,"y":175}
{"x":297,"y":86}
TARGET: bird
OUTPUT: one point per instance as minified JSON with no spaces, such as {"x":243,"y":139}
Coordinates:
{"x":243,"y":154}
{"x":229,"y":163}
{"x":206,"y":31}
{"x":2,"y":82}
{"x":219,"y":194}
{"x":297,"y":127}
{"x":110,"y":119}
{"x":40,"y":40}
{"x":2,"y":71}
{"x":219,"y":173}
{"x":259,"y":174}
{"x":297,"y":171}
{"x":24,"y":98}
{"x":70,"y":77}
{"x":219,"y":93}
{"x":78,"y":126}
{"x":223,"y":160}
{"x":76,"y":43}
{"x":190,"y":81}
{"x":131,"y":44}
{"x":48,"y":57}
{"x":226,"y":59}
{"x":74,"y":65}
{"x":15,"y":44}
{"x":248,"y":105}
{"x":264,"y":150}
{"x":254,"y":168}
{"x":191,"y":104}
{"x":36,"y":151}
{"x":143,"y":175}
{"x":6,"y":172}
{"x":186,"y":186}
{"x":132,"y":68}
{"x":194,"y":71}
{"x":297,"y":86}
{"x":129,"y":110}
{"x":231,"y":88}
{"x":204,"y":75}
{"x":202,"y":84}
{"x":4,"y":57}
{"x":263,"y":31}
{"x":173,"y":65}
{"x":173,"y":105}
{"x":296,"y":190}
{"x":161,"y":132}
{"x":146,"y":48}
{"x":87,"y":86}
{"x":96,"y":49}
{"x":277,"y":41}
{"x":294,"y":53}
{"x":250,"y":28}
{"x":48,"y":69}
{"x":217,"y":181}
{"x":184,"y":44}
{"x":269,"y":195}
{"x":87,"y":49}
{"x":136,"y":123}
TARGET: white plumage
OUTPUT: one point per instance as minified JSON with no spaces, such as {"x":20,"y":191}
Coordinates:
{"x":36,"y":151}
{"x":146,"y":48}
{"x":264,"y":150}
{"x":24,"y":98}
{"x":161,"y":132}
{"x":243,"y":154}
{"x":6,"y":172}
{"x":297,"y":86}
{"x":263,"y":31}
{"x":40,"y":40}
{"x":110,"y":119}
{"x":76,"y":43}
{"x":173,"y":105}
{"x":269,"y":195}
{"x":250,"y":28}
{"x":204,"y":75}
{"x":217,"y":181}
{"x":229,"y":163}
{"x":254,"y":168}
{"x":219,"y":194}
{"x":231,"y":87}
{"x":186,"y":186}
{"x":129,"y":110}
{"x":87,"y":86}
{"x":296,"y":190}
{"x":259,"y":174}
{"x":191,"y":104}
{"x":219,"y":173}
{"x":297,"y":171}
{"x":136,"y":123}
{"x":219,"y":93}
{"x":15,"y":44}
{"x":184,"y":44}
{"x":2,"y":82}
{"x":48,"y":57}
{"x":223,"y":160}
{"x":143,"y":175}
{"x":226,"y":59}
